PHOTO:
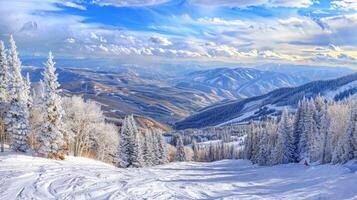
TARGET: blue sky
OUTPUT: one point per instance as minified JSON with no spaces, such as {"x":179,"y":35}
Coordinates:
{"x":248,"y":32}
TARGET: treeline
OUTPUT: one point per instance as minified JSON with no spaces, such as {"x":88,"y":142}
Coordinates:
{"x":138,"y":149}
{"x":319,"y":132}
{"x":207,"y":151}
{"x":225,"y":133}
{"x":39,"y":120}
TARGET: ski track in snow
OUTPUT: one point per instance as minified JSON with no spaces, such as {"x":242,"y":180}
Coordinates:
{"x":26,"y":177}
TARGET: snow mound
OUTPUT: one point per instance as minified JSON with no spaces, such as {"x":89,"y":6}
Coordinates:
{"x":26,"y":177}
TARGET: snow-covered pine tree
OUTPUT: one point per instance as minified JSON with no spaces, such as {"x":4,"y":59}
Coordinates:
{"x":313,"y":135}
{"x":284,"y":150}
{"x":130,"y":151}
{"x":27,"y":91}
{"x":162,"y":148}
{"x":4,"y":75}
{"x":309,"y":127}
{"x":148,"y":148}
{"x":180,"y":150}
{"x":298,"y":128}
{"x":249,"y":141}
{"x":156,"y":150}
{"x":51,"y":136}
{"x":135,"y":141}
{"x":264,"y":149}
{"x":347,"y":145}
{"x":124,"y":142}
{"x":17,"y":124}
{"x":338,"y":120}
{"x":321,"y":136}
{"x":195,"y":150}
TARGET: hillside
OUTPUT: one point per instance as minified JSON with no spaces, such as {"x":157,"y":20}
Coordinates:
{"x":271,"y":103}
{"x":26,"y":177}
{"x":239,"y":82}
{"x":122,"y":93}
{"x":167,"y":99}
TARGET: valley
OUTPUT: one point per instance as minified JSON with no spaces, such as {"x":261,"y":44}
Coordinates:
{"x":271,"y":104}
{"x":168,"y":99}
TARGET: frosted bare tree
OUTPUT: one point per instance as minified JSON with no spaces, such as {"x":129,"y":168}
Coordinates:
{"x":83,"y":122}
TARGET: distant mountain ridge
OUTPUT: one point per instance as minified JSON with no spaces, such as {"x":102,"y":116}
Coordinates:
{"x":163,"y":98}
{"x":238,"y":82}
{"x":123,"y":93}
{"x":271,"y":103}
{"x":311,"y":72}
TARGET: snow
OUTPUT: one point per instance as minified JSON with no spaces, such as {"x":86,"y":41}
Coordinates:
{"x":331,"y":94}
{"x":248,"y":110}
{"x":26,"y":177}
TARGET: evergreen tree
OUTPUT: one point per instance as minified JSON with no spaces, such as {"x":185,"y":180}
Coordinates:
{"x":347,"y":145}
{"x":264,"y":152}
{"x":123,"y":148}
{"x":148,"y":148}
{"x":321,"y":136}
{"x":313,"y":124}
{"x":17,"y":124}
{"x":27,"y":91}
{"x":284,"y":149}
{"x":162,"y":148}
{"x":249,"y":141}
{"x":51,"y":136}
{"x":180,"y":150}
{"x":130,"y":151}
{"x":298,"y":129}
{"x":309,"y":127}
{"x":136,"y":157}
{"x":4,"y":74}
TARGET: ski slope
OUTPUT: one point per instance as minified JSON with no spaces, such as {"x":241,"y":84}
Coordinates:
{"x":26,"y":177}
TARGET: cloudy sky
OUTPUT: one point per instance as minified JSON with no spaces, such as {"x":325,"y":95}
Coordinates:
{"x":314,"y":32}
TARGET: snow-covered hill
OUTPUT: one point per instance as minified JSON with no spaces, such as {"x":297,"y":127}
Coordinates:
{"x":239,"y":82}
{"x":271,"y":103}
{"x":26,"y":177}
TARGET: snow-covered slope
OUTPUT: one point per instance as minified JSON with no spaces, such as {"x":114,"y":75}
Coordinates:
{"x":239,"y":82}
{"x":25,"y":177}
{"x":271,"y":103}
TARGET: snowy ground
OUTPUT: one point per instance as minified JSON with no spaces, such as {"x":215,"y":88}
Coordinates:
{"x":25,"y":177}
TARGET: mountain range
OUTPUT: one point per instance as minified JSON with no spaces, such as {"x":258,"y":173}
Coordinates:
{"x":166,"y":98}
{"x":239,"y":83}
{"x":270,"y":104}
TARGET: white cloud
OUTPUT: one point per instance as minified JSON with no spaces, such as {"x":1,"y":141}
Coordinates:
{"x":335,"y":53}
{"x":74,"y":5}
{"x":235,"y":40}
{"x":124,"y":3}
{"x":160,"y":40}
{"x":344,"y":4}
{"x":220,"y":22}
{"x":247,"y":3}
{"x":93,"y":36}
{"x":291,"y":3}
{"x":292,"y":21}
{"x":71,"y":40}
